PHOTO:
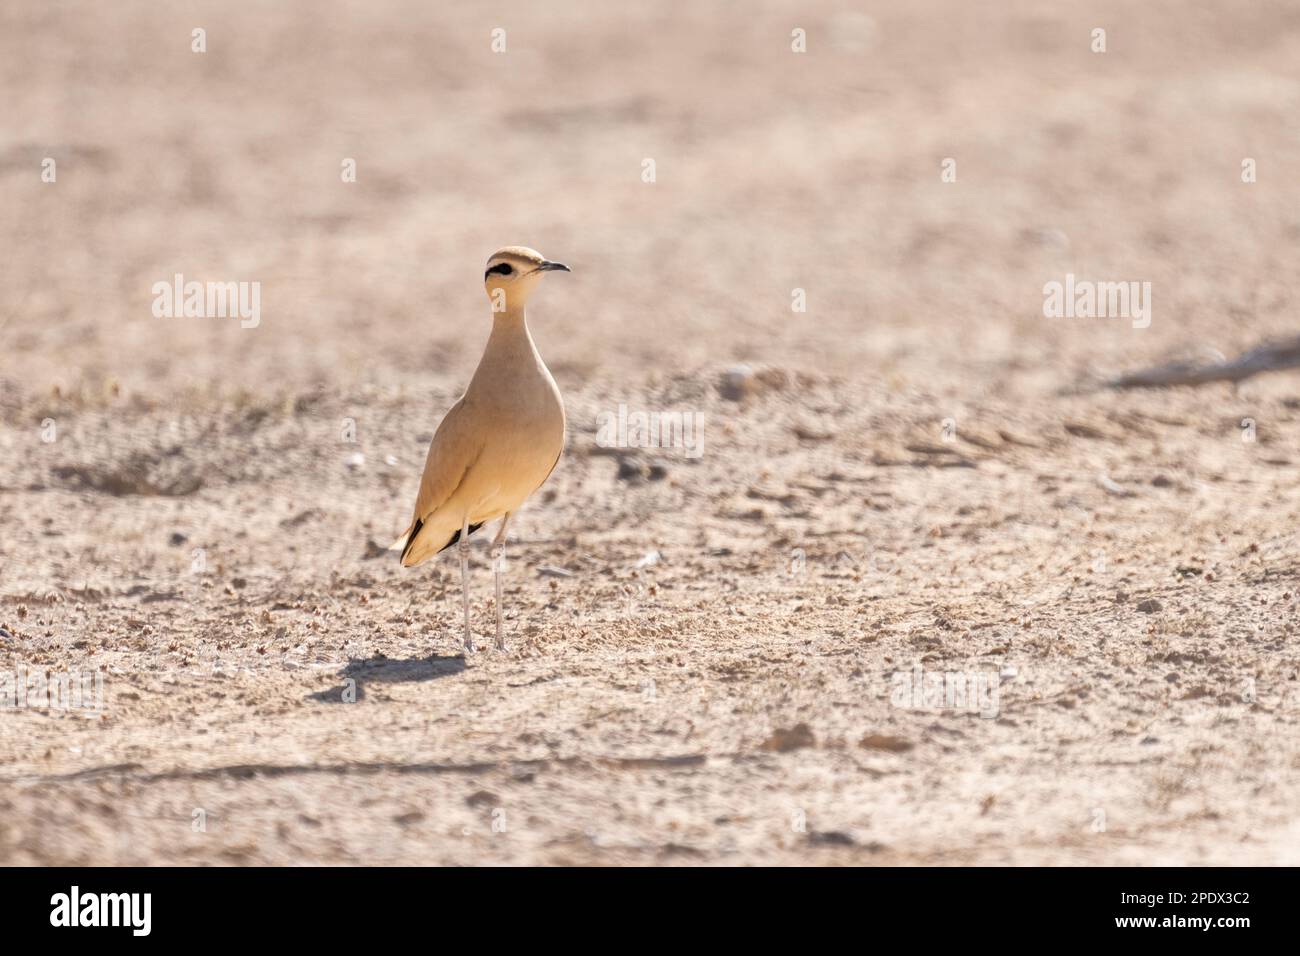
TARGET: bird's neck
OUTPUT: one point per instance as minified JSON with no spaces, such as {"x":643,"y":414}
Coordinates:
{"x":510,"y":326}
{"x":510,"y":339}
{"x":511,"y":374}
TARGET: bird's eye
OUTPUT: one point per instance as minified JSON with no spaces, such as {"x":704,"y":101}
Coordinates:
{"x":501,"y":269}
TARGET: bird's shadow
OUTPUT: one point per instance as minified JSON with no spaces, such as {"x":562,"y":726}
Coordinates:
{"x":386,"y":670}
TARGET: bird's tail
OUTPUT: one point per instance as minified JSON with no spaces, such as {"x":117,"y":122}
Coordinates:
{"x":407,"y":538}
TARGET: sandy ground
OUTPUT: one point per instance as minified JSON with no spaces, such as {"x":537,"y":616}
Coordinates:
{"x":707,"y":653}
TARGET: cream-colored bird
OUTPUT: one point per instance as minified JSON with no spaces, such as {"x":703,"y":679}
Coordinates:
{"x":500,"y":442}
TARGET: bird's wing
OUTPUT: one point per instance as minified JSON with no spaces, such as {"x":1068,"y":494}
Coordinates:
{"x":455,"y":447}
{"x":453,"y":453}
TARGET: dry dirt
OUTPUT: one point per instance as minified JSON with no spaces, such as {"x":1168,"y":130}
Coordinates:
{"x":705,"y":651}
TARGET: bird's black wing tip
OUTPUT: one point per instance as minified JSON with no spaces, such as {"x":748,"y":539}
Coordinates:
{"x":410,"y":539}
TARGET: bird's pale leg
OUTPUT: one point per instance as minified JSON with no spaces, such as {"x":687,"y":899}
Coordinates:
{"x":463,"y":549}
{"x":499,"y":563}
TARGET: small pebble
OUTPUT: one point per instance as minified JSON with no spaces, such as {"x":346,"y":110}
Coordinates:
{"x":631,"y":469}
{"x":737,"y":382}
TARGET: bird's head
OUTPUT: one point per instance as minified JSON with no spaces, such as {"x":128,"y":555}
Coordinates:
{"x":512,"y":273}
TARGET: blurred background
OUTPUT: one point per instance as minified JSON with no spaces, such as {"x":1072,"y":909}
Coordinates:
{"x":774,"y":170}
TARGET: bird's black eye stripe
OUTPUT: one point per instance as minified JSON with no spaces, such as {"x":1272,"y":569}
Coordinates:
{"x":501,"y":268}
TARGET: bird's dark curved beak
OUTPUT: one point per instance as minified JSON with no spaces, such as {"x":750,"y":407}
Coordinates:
{"x":549,"y":266}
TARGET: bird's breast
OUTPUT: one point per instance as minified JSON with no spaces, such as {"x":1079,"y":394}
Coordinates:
{"x":526,"y":433}
{"x":518,"y":403}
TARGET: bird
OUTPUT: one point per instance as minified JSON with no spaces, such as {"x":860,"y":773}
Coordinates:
{"x":500,"y":442}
